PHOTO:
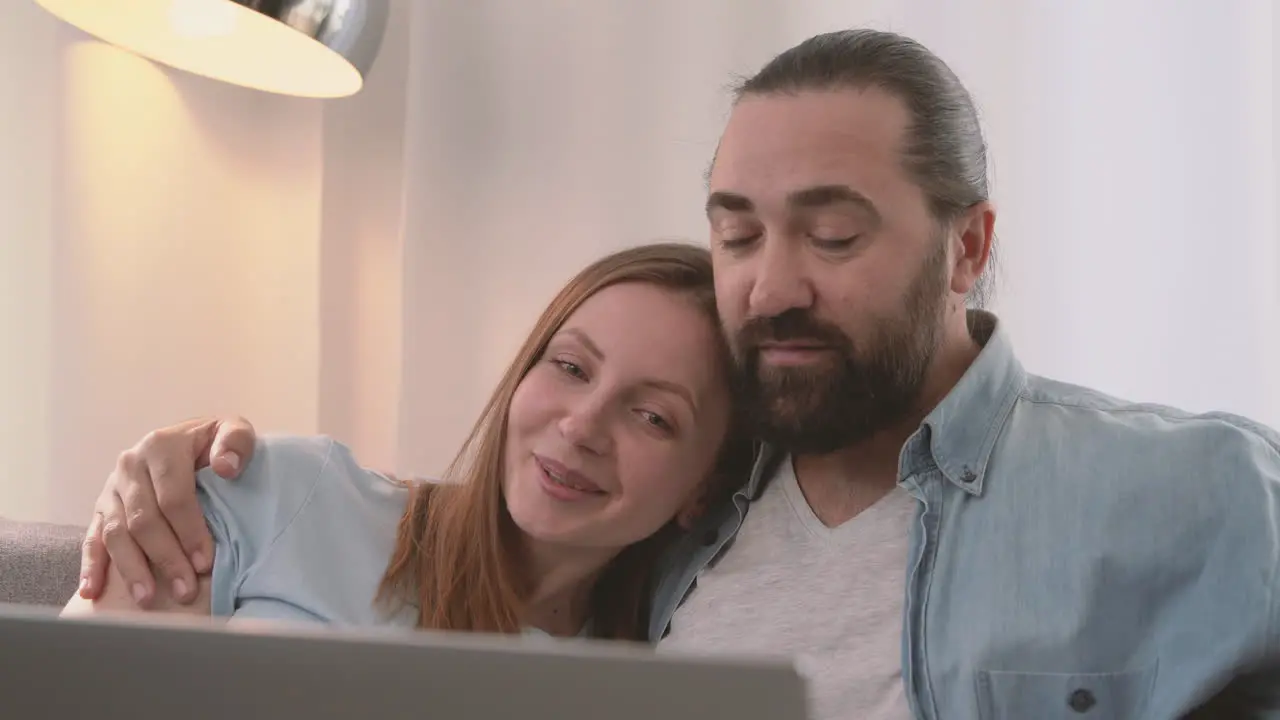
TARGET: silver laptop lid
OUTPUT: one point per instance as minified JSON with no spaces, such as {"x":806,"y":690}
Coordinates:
{"x":176,"y":668}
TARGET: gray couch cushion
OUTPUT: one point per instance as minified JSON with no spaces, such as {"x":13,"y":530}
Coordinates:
{"x":39,"y":562}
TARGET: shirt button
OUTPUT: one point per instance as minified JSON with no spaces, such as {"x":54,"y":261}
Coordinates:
{"x":968,"y":476}
{"x":1081,"y":701}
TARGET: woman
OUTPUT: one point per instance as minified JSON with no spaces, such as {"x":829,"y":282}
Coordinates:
{"x":613,"y":421}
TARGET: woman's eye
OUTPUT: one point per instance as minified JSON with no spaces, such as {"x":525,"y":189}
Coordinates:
{"x":656,"y":420}
{"x":571,"y":369}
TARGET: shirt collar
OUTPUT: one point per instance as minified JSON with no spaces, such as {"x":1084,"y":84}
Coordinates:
{"x":961,"y":432}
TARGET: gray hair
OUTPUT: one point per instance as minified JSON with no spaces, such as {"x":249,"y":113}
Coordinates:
{"x":945,"y":153}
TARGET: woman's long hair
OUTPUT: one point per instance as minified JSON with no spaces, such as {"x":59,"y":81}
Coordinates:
{"x":457,"y":549}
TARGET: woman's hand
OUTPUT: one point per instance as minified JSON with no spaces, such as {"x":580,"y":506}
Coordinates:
{"x":148,"y":516}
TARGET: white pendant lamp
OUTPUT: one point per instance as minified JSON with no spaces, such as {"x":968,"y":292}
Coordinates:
{"x":307,"y":48}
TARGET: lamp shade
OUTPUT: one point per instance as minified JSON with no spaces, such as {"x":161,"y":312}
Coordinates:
{"x":307,"y":48}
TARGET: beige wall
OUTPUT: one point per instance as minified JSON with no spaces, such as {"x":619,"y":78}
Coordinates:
{"x":361,"y":247}
{"x":172,"y":247}
{"x":187,"y":256}
{"x":29,"y":75}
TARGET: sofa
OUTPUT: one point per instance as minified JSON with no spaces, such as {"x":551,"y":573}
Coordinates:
{"x":39,"y":562}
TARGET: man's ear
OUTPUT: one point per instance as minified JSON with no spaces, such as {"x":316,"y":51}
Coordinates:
{"x":974,"y":232}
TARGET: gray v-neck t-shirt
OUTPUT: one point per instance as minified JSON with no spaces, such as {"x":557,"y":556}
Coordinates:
{"x":831,"y":598}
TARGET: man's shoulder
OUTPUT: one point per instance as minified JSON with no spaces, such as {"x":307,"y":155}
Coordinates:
{"x":1096,"y":427}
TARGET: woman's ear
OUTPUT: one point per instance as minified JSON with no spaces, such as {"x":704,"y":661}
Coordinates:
{"x":692,"y":510}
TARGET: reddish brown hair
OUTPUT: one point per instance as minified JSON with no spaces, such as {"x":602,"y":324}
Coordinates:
{"x":457,"y":550}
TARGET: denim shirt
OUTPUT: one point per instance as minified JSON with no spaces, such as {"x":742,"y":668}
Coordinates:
{"x":1072,"y":555}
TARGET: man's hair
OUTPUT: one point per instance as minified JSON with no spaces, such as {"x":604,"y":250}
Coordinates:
{"x":945,"y":153}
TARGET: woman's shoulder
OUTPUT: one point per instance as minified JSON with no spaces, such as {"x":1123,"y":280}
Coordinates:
{"x":304,"y":526}
{"x":293,"y":464}
{"x":343,"y":485}
{"x":290,"y":477}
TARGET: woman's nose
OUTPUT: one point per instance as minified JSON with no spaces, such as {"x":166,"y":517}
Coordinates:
{"x":585,"y":425}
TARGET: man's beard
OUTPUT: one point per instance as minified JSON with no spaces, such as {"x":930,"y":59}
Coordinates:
{"x":857,"y":392}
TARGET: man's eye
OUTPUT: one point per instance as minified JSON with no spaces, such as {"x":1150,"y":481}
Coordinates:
{"x":835,"y":243}
{"x":738,"y":242}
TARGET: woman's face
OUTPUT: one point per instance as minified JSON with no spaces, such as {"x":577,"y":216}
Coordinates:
{"x":617,"y":426}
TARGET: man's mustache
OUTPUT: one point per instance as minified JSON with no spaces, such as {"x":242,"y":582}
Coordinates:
{"x":794,"y":325}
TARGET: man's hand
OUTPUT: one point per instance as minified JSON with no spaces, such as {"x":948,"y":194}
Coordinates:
{"x":148,"y":515}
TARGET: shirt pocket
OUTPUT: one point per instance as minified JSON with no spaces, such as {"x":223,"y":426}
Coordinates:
{"x":1064,"y":696}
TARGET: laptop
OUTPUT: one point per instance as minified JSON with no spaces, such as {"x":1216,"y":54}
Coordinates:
{"x":166,"y":667}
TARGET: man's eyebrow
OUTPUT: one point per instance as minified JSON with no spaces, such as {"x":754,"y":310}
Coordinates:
{"x":824,"y":195}
{"x":809,"y":198}
{"x":733,"y":202}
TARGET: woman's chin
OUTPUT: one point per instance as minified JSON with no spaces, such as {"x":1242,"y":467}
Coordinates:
{"x":584,"y":522}
{"x":542,"y":527}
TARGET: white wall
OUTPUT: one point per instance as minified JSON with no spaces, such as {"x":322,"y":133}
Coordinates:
{"x":1133,"y":163}
{"x":367,"y":267}
{"x":1140,"y":201}
{"x":542,"y":135}
{"x":1135,"y":171}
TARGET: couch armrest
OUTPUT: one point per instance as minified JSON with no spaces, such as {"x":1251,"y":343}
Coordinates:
{"x":39,"y":562}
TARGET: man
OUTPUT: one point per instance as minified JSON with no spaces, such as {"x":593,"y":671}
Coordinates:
{"x":929,"y":530}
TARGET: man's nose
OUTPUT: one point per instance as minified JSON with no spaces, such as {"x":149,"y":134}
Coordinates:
{"x":585,"y":426}
{"x":781,"y":283}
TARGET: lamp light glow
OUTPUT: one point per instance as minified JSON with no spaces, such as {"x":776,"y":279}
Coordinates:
{"x":307,"y":48}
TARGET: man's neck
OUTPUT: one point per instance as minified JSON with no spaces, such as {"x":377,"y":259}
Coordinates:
{"x":840,"y":485}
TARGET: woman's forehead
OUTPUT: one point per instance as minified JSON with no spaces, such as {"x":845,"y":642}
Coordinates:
{"x":649,"y":329}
